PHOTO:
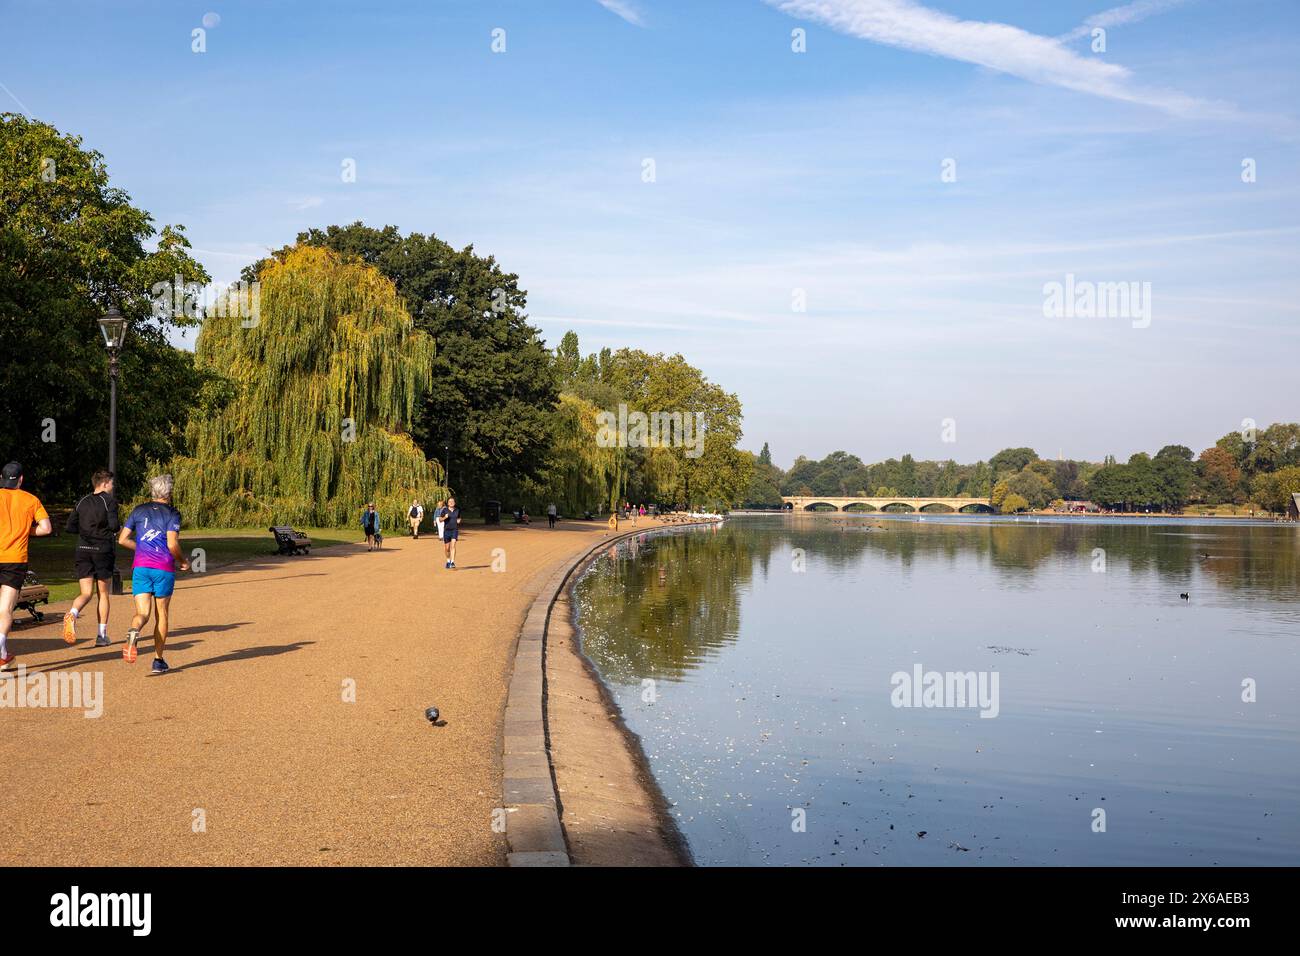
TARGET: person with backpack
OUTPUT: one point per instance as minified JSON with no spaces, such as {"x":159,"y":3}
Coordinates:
{"x":415,"y":515}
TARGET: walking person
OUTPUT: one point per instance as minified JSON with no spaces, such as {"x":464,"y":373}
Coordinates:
{"x":450,"y":532}
{"x":157,"y":546}
{"x":22,"y":516}
{"x":437,"y":517}
{"x":370,"y":525}
{"x":551,"y":512}
{"x":94,"y":522}
{"x":416,"y":515}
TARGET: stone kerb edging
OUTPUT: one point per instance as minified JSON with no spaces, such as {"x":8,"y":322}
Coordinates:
{"x":534,"y":836}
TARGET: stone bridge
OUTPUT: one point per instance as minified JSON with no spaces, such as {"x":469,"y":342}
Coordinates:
{"x":928,"y":505}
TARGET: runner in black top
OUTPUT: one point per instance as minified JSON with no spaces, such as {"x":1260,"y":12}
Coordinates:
{"x":94,"y":522}
{"x":450,"y":532}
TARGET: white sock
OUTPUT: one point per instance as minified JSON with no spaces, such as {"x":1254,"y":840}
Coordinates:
{"x":103,"y":630}
{"x":74,"y":612}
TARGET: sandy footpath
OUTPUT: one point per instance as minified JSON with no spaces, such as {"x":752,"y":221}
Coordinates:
{"x":250,"y":733}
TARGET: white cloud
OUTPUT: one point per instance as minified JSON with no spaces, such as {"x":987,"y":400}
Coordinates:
{"x":997,"y":46}
{"x":1119,"y":16}
{"x":307,"y":202}
{"x":625,"y":10}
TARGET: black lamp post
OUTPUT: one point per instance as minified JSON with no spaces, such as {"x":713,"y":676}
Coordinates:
{"x":113,"y":325}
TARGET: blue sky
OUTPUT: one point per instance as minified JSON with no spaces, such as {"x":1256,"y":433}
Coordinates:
{"x":775,"y":171}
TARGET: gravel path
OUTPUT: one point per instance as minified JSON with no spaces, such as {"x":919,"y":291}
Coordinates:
{"x":250,"y":734}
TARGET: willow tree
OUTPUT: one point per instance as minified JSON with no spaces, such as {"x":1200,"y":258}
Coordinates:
{"x":322,"y":384}
{"x":583,"y":474}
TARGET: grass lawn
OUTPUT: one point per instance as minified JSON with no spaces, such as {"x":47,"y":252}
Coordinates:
{"x":52,"y":558}
{"x":1226,"y":511}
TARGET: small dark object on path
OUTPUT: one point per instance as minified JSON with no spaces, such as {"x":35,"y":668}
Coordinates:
{"x":432,"y":714}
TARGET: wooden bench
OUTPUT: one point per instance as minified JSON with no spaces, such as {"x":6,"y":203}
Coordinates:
{"x":32,"y":594}
{"x":288,"y":541}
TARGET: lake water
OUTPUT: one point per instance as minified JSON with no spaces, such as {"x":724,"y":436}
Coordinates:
{"x":761,"y":664}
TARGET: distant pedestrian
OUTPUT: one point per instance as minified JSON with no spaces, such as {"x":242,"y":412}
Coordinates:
{"x":437,"y":517}
{"x":157,"y":546}
{"x":450,"y":532}
{"x":551,"y":512}
{"x":370,"y":525}
{"x":94,"y":521}
{"x":21,"y":516}
{"x":416,"y":515}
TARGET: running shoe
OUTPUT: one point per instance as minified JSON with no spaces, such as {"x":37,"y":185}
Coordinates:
{"x":69,"y":629}
{"x":129,"y":652}
{"x":447,"y":565}
{"x":102,"y":640}
{"x":6,"y":661}
{"x":159,"y":666}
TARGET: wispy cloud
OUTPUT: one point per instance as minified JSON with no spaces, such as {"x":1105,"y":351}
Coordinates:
{"x":1119,"y":16}
{"x":625,"y":10}
{"x":307,"y":202}
{"x":997,"y":46}
{"x":11,"y":95}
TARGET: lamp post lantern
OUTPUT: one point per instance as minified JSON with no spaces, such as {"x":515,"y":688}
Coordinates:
{"x":113,"y":326}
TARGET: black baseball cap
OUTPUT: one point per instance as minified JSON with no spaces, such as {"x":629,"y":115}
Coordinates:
{"x":12,"y":473}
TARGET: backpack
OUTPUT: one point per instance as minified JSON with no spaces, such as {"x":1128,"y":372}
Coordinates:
{"x":414,"y":513}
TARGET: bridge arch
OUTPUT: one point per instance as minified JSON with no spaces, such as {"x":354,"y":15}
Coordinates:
{"x":898,"y":507}
{"x":820,"y":506}
{"x":938,"y":507}
{"x":976,"y":508}
{"x":860,"y":507}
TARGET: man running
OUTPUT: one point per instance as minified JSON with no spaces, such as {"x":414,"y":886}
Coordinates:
{"x":416,"y":515}
{"x":450,"y":532}
{"x":94,"y":522}
{"x":157,"y":546}
{"x":21,"y":516}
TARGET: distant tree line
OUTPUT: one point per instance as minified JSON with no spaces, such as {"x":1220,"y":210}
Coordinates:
{"x":1260,"y":467}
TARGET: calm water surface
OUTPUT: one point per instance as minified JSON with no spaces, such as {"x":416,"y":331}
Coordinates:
{"x":763,"y":694}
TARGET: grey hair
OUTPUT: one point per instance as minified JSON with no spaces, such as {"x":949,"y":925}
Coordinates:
{"x":161,"y":487}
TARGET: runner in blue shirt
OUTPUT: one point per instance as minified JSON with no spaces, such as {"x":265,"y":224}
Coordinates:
{"x":157,"y":546}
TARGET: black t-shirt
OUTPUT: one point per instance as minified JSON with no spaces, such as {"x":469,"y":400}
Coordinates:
{"x":94,"y":522}
{"x":450,"y":518}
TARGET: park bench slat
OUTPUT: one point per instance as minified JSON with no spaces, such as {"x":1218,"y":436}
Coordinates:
{"x":289,"y":541}
{"x":31,"y":595}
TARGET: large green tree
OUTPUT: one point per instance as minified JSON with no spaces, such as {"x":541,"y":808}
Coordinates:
{"x":71,"y":245}
{"x":491,"y":402}
{"x":322,"y":390}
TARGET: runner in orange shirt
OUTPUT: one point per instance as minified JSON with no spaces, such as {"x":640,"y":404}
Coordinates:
{"x":21,"y":516}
